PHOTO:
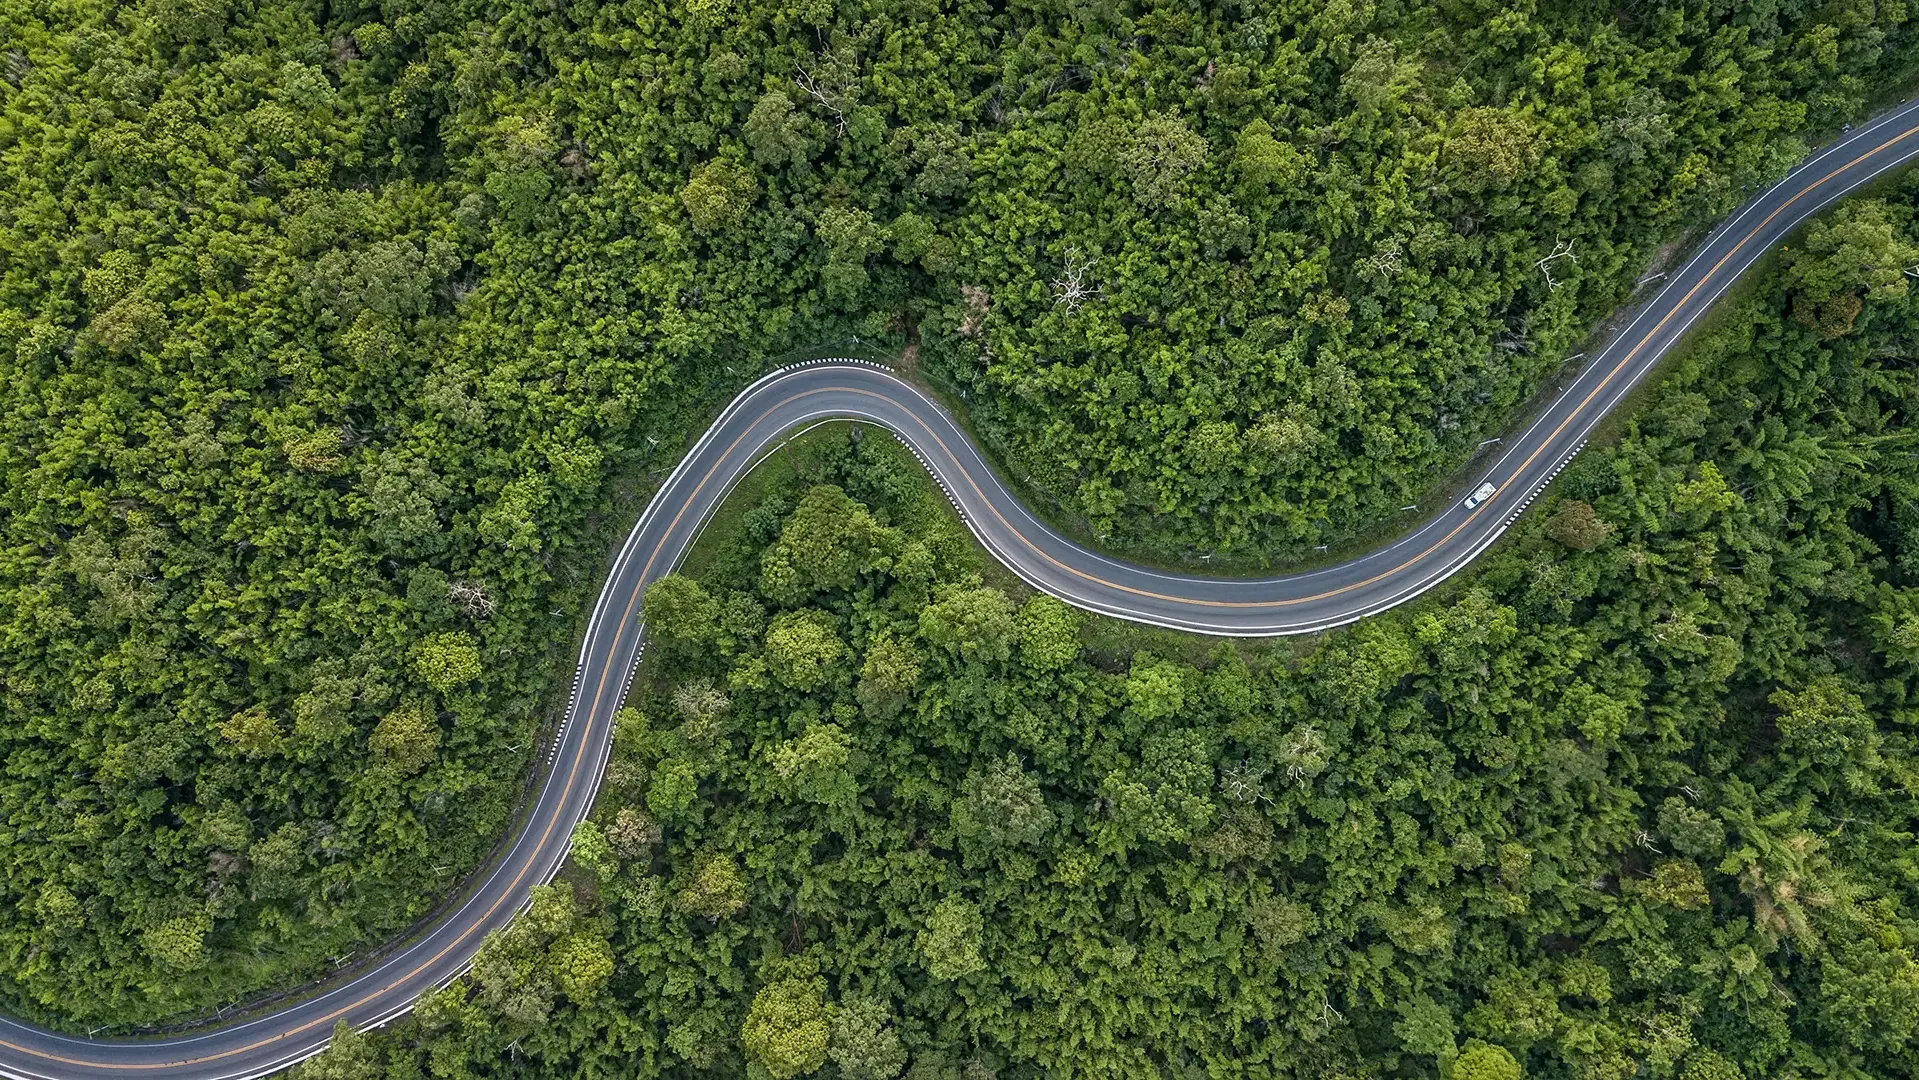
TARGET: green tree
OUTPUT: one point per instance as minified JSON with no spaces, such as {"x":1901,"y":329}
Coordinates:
{"x":1705,"y":1064}
{"x":675,"y":790}
{"x":1001,"y":805}
{"x":787,"y":1027}
{"x":1264,"y":161}
{"x":778,"y":135}
{"x":406,"y":738}
{"x":1277,"y":923}
{"x":802,"y":648}
{"x":714,"y":888}
{"x":718,"y":194}
{"x":447,"y":661}
{"x":827,"y":543}
{"x":1691,"y":830}
{"x":1162,"y":154}
{"x":863,"y":1042}
{"x":276,"y":860}
{"x":1164,"y":798}
{"x":1426,"y":1028}
{"x":349,"y":1055}
{"x":679,"y":611}
{"x":850,"y":237}
{"x":1156,"y":689}
{"x":950,"y":944}
{"x":975,"y":624}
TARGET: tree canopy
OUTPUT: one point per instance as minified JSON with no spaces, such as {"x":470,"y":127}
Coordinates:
{"x":337,"y":340}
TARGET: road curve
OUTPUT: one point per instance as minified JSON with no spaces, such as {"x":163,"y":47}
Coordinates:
{"x":848,"y":389}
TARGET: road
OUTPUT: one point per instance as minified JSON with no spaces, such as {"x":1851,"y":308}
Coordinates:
{"x":846,"y":389}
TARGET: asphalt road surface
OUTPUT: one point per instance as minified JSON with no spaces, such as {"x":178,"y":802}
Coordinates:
{"x":844,"y":389}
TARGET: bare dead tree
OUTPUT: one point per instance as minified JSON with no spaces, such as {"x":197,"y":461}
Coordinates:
{"x":833,"y":101}
{"x":1562,"y":249}
{"x":1304,"y":752}
{"x":471,"y":597}
{"x":1385,"y":261}
{"x":1071,"y":288}
{"x":1242,"y":782}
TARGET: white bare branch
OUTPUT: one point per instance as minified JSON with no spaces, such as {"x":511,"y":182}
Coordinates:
{"x":1562,"y":249}
{"x":832,"y":101}
{"x":471,"y":597}
{"x":1385,"y":261}
{"x":1071,"y":288}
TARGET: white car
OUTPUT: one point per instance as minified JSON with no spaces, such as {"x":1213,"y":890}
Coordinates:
{"x":1481,"y":494}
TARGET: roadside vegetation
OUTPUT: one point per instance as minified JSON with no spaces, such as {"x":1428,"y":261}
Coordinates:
{"x":327,"y":330}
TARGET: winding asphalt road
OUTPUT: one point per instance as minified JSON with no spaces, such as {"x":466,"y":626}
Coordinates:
{"x":847,"y":389}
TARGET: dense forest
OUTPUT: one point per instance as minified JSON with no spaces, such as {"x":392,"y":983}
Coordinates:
{"x":335,"y":337}
{"x":1634,"y":798}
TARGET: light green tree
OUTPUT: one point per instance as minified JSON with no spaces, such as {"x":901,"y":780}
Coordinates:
{"x":815,"y":766}
{"x":802,"y":648}
{"x":1048,"y":633}
{"x":974,"y":623}
{"x":447,"y":661}
{"x":714,"y":888}
{"x":787,"y":1027}
{"x":179,"y":944}
{"x":1162,"y":155}
{"x":718,"y":194}
{"x":888,"y":675}
{"x":864,"y":1043}
{"x":406,"y":738}
{"x":1858,"y":247}
{"x":950,"y":944}
{"x":1001,"y":805}
{"x":1484,"y":1061}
